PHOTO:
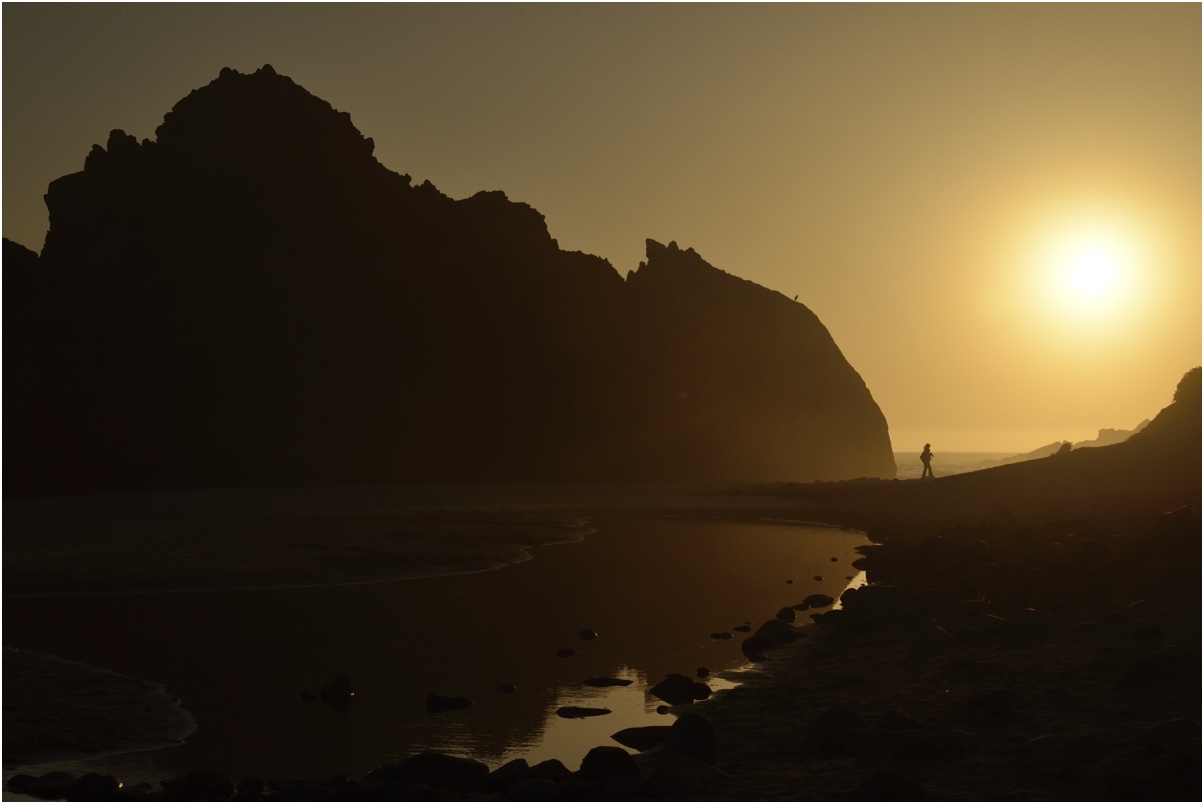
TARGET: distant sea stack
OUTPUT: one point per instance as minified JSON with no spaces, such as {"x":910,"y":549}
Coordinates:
{"x":253,"y":299}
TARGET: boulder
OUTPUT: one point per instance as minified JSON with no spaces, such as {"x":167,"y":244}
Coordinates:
{"x":874,"y":600}
{"x":550,"y":769}
{"x":678,"y":777}
{"x":771,"y":633}
{"x":693,"y":735}
{"x":786,"y":615}
{"x":606,"y":761}
{"x":676,"y":689}
{"x":465,"y":777}
{"x":18,"y":782}
{"x":53,"y":785}
{"x":508,"y":775}
{"x":93,"y":787}
{"x":642,"y":738}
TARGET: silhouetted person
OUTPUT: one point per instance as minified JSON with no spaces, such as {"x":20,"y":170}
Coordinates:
{"x":926,"y":459}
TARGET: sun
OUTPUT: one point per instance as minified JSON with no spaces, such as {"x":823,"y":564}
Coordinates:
{"x":1087,"y":274}
{"x":1091,"y":274}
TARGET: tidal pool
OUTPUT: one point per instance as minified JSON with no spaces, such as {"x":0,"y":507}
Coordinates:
{"x":654,"y":590}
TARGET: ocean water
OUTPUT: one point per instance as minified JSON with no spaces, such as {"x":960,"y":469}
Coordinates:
{"x":653,"y":589}
{"x":945,"y":463}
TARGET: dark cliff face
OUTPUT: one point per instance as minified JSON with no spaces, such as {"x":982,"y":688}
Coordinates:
{"x":253,"y":299}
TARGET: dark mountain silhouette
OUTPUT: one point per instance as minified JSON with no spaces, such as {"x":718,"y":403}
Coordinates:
{"x":253,"y":299}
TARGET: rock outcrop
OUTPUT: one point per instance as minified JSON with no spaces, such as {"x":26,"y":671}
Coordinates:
{"x":252,"y":298}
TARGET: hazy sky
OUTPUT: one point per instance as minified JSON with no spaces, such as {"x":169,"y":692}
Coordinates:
{"x":995,"y":209}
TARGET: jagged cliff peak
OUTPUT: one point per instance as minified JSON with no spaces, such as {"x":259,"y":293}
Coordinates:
{"x":252,"y":298}
{"x":264,"y":110}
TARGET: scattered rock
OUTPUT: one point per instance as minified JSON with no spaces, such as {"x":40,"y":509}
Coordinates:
{"x":744,"y":629}
{"x":702,"y":672}
{"x":607,"y":681}
{"x":442,"y":703}
{"x":581,"y":711}
{"x":506,"y":689}
{"x":588,"y":634}
{"x":565,"y":653}
{"x":308,"y":697}
{"x":818,"y":600}
{"x":721,"y":635}
{"x":642,"y":738}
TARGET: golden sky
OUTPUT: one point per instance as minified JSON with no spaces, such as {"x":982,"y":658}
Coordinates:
{"x":995,"y":209}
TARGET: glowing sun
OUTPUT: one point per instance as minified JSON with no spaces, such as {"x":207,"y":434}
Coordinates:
{"x":1087,"y":274}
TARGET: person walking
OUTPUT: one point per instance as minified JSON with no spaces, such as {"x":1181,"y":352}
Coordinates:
{"x":926,"y":459}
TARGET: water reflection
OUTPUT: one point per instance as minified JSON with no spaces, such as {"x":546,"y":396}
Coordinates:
{"x":654,"y":591}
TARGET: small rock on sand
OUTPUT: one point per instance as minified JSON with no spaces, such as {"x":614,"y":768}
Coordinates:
{"x":581,"y":711}
{"x":606,"y":681}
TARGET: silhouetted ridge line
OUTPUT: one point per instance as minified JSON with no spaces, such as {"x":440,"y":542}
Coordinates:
{"x":253,"y":299}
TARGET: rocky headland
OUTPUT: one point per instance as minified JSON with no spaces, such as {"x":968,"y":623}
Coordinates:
{"x":252,"y":299}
